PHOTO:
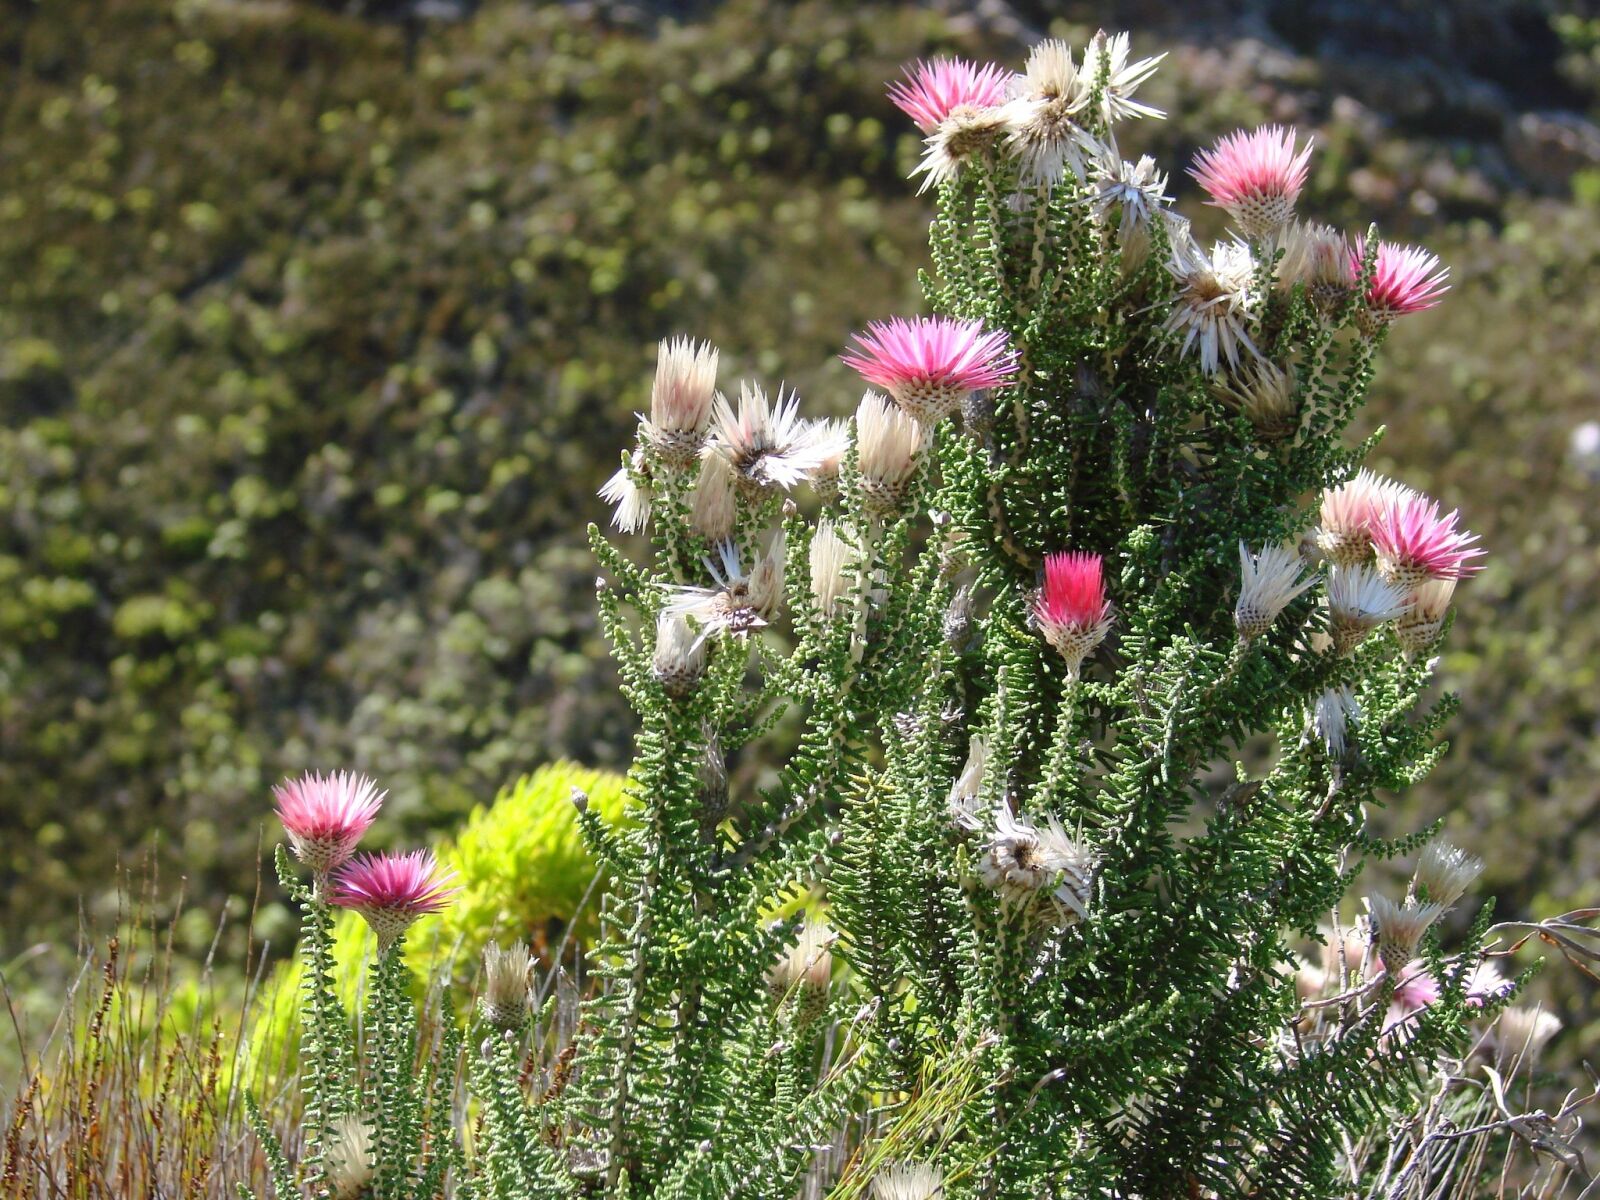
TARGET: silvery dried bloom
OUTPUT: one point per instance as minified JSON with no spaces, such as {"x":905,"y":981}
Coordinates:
{"x":1268,"y":581}
{"x":347,"y":1159}
{"x":957,"y":625}
{"x":1106,"y":58}
{"x":1135,"y":192}
{"x":1521,"y":1034}
{"x":740,"y":600}
{"x":804,"y":971}
{"x":680,"y":400}
{"x":825,"y":477}
{"x":1266,"y":394}
{"x":1315,"y":255}
{"x":908,"y":1181}
{"x":767,"y":443}
{"x":715,"y":508}
{"x":1445,"y":872}
{"x":1358,"y":602}
{"x":1397,"y":929}
{"x":1022,"y":860}
{"x":1214,"y":303}
{"x":503,"y":999}
{"x":1419,"y":624}
{"x":680,"y":654}
{"x":966,"y":134}
{"x":1336,"y":710}
{"x":962,"y":804}
{"x":630,"y":492}
{"x":1042,"y":131}
{"x":833,"y":559}
{"x":889,"y":442}
{"x":1348,"y":514}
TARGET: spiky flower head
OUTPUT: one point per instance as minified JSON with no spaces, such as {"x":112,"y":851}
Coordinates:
{"x":1256,"y":177}
{"x":503,"y":1000}
{"x":715,"y":507}
{"x":833,"y":558}
{"x":680,"y":400}
{"x":391,"y":891}
{"x":1397,"y":929}
{"x":1423,"y":618}
{"x":1405,"y":279}
{"x":1071,"y":608}
{"x":680,"y":654}
{"x":1445,"y":872}
{"x":889,"y":442}
{"x":1136,"y":193}
{"x":1349,"y":512}
{"x":767,"y":443}
{"x":1317,"y":256}
{"x":1521,"y":1034}
{"x":908,"y":1181}
{"x":1268,"y":581}
{"x":1023,"y":860}
{"x":932,"y":91}
{"x":1336,"y":710}
{"x":631,"y":494}
{"x":968,"y":134}
{"x":825,"y":476}
{"x":1266,"y":394}
{"x":929,"y":363}
{"x":1214,"y":302}
{"x":1359,"y":600}
{"x":740,"y":600}
{"x":1040,"y":116}
{"x":347,"y":1159}
{"x":962,"y":803}
{"x":326,"y":816}
{"x":804,"y":971}
{"x":1415,"y":544}
{"x":1106,"y":67}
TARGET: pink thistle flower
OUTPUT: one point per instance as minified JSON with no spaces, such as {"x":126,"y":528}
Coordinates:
{"x":325,"y":816}
{"x":931,"y":91}
{"x":1405,"y":279}
{"x":1415,"y":989}
{"x":1071,"y":609}
{"x":1348,"y":513}
{"x":1255,"y":176}
{"x":1415,"y":544}
{"x":392,"y":890}
{"x":929,"y":363}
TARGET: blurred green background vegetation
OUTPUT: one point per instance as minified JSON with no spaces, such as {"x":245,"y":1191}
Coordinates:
{"x":321,"y":324}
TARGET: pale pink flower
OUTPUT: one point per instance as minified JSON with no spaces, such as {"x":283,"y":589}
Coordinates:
{"x":393,"y":890}
{"x":680,"y":399}
{"x":325,"y":816}
{"x":1415,"y":544}
{"x":1349,"y":512}
{"x":929,"y":363}
{"x":1071,"y":608}
{"x":1415,"y":989}
{"x":1405,"y":279}
{"x":931,"y":91}
{"x":1255,"y":176}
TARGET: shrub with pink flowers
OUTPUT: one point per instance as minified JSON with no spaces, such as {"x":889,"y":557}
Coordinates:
{"x":1100,"y":645}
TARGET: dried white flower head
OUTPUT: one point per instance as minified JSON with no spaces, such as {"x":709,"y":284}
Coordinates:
{"x":715,"y":508}
{"x":1136,"y":193}
{"x":824,"y":478}
{"x":1521,"y":1034}
{"x":680,"y":654}
{"x":1022,"y":860}
{"x":1347,"y":514}
{"x":680,"y":400}
{"x":1215,"y":300}
{"x":889,"y":442}
{"x":767,"y":443}
{"x":908,"y":1181}
{"x":968,"y":132}
{"x":1266,"y":394}
{"x":1397,"y":929}
{"x":1419,"y":625}
{"x":1358,"y":602}
{"x":503,"y":1000}
{"x":962,"y":804}
{"x":1336,"y":710}
{"x":1046,"y":97}
{"x":804,"y":971}
{"x":1318,"y":257}
{"x":741,"y":600}
{"x":630,"y":492}
{"x":1109,"y":80}
{"x":347,"y":1158}
{"x":1268,"y":581}
{"x":833,"y":559}
{"x":1445,"y":872}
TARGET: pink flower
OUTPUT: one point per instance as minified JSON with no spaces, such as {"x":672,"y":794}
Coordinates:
{"x":1415,"y":544}
{"x":930,"y":91}
{"x":1415,"y":989}
{"x":929,"y":363}
{"x":1405,"y":279}
{"x":393,"y":890}
{"x":325,"y":816}
{"x":1255,"y":176}
{"x":1071,"y":609}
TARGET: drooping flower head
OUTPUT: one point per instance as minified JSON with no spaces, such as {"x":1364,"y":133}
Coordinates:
{"x":680,"y":399}
{"x":768,"y":444}
{"x":929,"y":363}
{"x":932,"y":91}
{"x":391,"y":891}
{"x":1268,"y":581}
{"x":1405,"y":279}
{"x":962,"y":803}
{"x":1215,"y":300}
{"x":1423,"y":618}
{"x":1256,"y":177}
{"x":965,"y":135}
{"x":1349,"y":512}
{"x":1105,"y":59}
{"x":631,"y":494}
{"x":326,"y":816}
{"x":1024,"y":858}
{"x":1336,"y":710}
{"x":1135,"y":192}
{"x":833,"y":558}
{"x":1071,"y":608}
{"x":1415,"y":544}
